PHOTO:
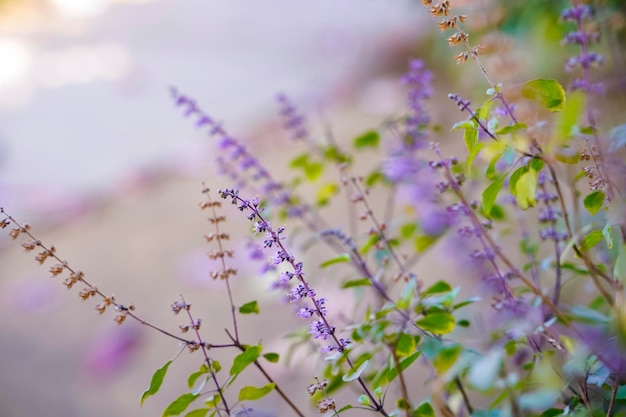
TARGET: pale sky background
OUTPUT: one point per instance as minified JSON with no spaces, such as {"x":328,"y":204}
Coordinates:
{"x":84,"y":83}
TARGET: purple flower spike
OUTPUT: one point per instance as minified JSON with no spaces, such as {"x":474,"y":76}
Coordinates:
{"x":419,"y":81}
{"x":294,"y":121}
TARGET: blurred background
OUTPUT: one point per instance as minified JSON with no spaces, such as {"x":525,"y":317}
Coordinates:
{"x":95,"y":156}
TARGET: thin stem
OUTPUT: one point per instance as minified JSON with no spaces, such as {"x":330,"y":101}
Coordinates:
{"x":403,"y":387}
{"x":609,"y":411}
{"x":593,"y":270}
{"x":196,"y":327}
{"x":275,"y":237}
{"x":380,"y":228}
{"x":126,"y":310}
{"x":466,"y":399}
{"x":267,"y":376}
{"x":225,"y":270}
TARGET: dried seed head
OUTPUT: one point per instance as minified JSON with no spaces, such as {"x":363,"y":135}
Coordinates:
{"x":325,"y":405}
{"x":87,"y":292}
{"x":120,"y":318}
{"x":56,"y":269}
{"x":462,"y":58}
{"x":29,"y":246}
{"x":457,"y":38}
{"x":69,"y":282}
{"x":101,"y":308}
{"x":441,"y":9}
{"x":177,"y":306}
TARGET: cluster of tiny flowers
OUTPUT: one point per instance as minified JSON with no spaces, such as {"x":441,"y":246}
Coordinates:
{"x":235,"y":158}
{"x":442,"y":9}
{"x":584,"y":38}
{"x":549,"y":213}
{"x":294,"y":121}
{"x":273,"y":237}
{"x":483,"y":258}
{"x":341,"y":236}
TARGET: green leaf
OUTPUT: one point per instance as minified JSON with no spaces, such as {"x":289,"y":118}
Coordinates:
{"x":547,"y":92}
{"x":213,"y":401}
{"x":439,"y":322}
{"x":191,"y":381}
{"x":568,"y":119}
{"x":592,"y":239}
{"x":446,"y":357}
{"x":491,"y":193}
{"x":344,"y":257}
{"x":374,"y":178}
{"x":406,"y":345}
{"x":511,"y":128}
{"x":567,"y":155}
{"x":424,"y":410}
{"x":155,"y":383}
{"x":404,"y":363}
{"x":199,"y":412}
{"x":526,"y":189}
{"x":216,"y":366}
{"x":249,"y":308}
{"x":272,"y":357}
{"x":619,"y":271}
{"x":483,"y":111}
{"x":491,"y":173}
{"x":407,"y":230}
{"x":356,"y":373}
{"x":368,"y":139}
{"x":515,"y":176}
{"x":253,"y":393}
{"x":179,"y":405}
{"x":313,"y":171}
{"x":436,"y":288}
{"x":344,"y":408}
{"x":424,"y":242}
{"x":472,"y":155}
{"x":594,"y":201}
{"x":364,"y":400}
{"x":357,"y":283}
{"x":325,"y":193}
{"x":244,"y":359}
{"x":300,"y":161}
{"x":371,"y":241}
{"x":470,"y":136}
{"x":606,"y":232}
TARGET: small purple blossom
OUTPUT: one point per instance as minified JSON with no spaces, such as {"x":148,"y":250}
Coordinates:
{"x":300,"y":291}
{"x":319,"y":329}
{"x":584,"y":38}
{"x":305,"y":312}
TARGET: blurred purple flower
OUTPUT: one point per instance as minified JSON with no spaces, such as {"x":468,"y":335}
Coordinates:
{"x":607,"y":346}
{"x":113,"y":349}
{"x":294,"y":122}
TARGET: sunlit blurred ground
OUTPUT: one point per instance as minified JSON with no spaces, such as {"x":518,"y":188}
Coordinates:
{"x":94,"y":155}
